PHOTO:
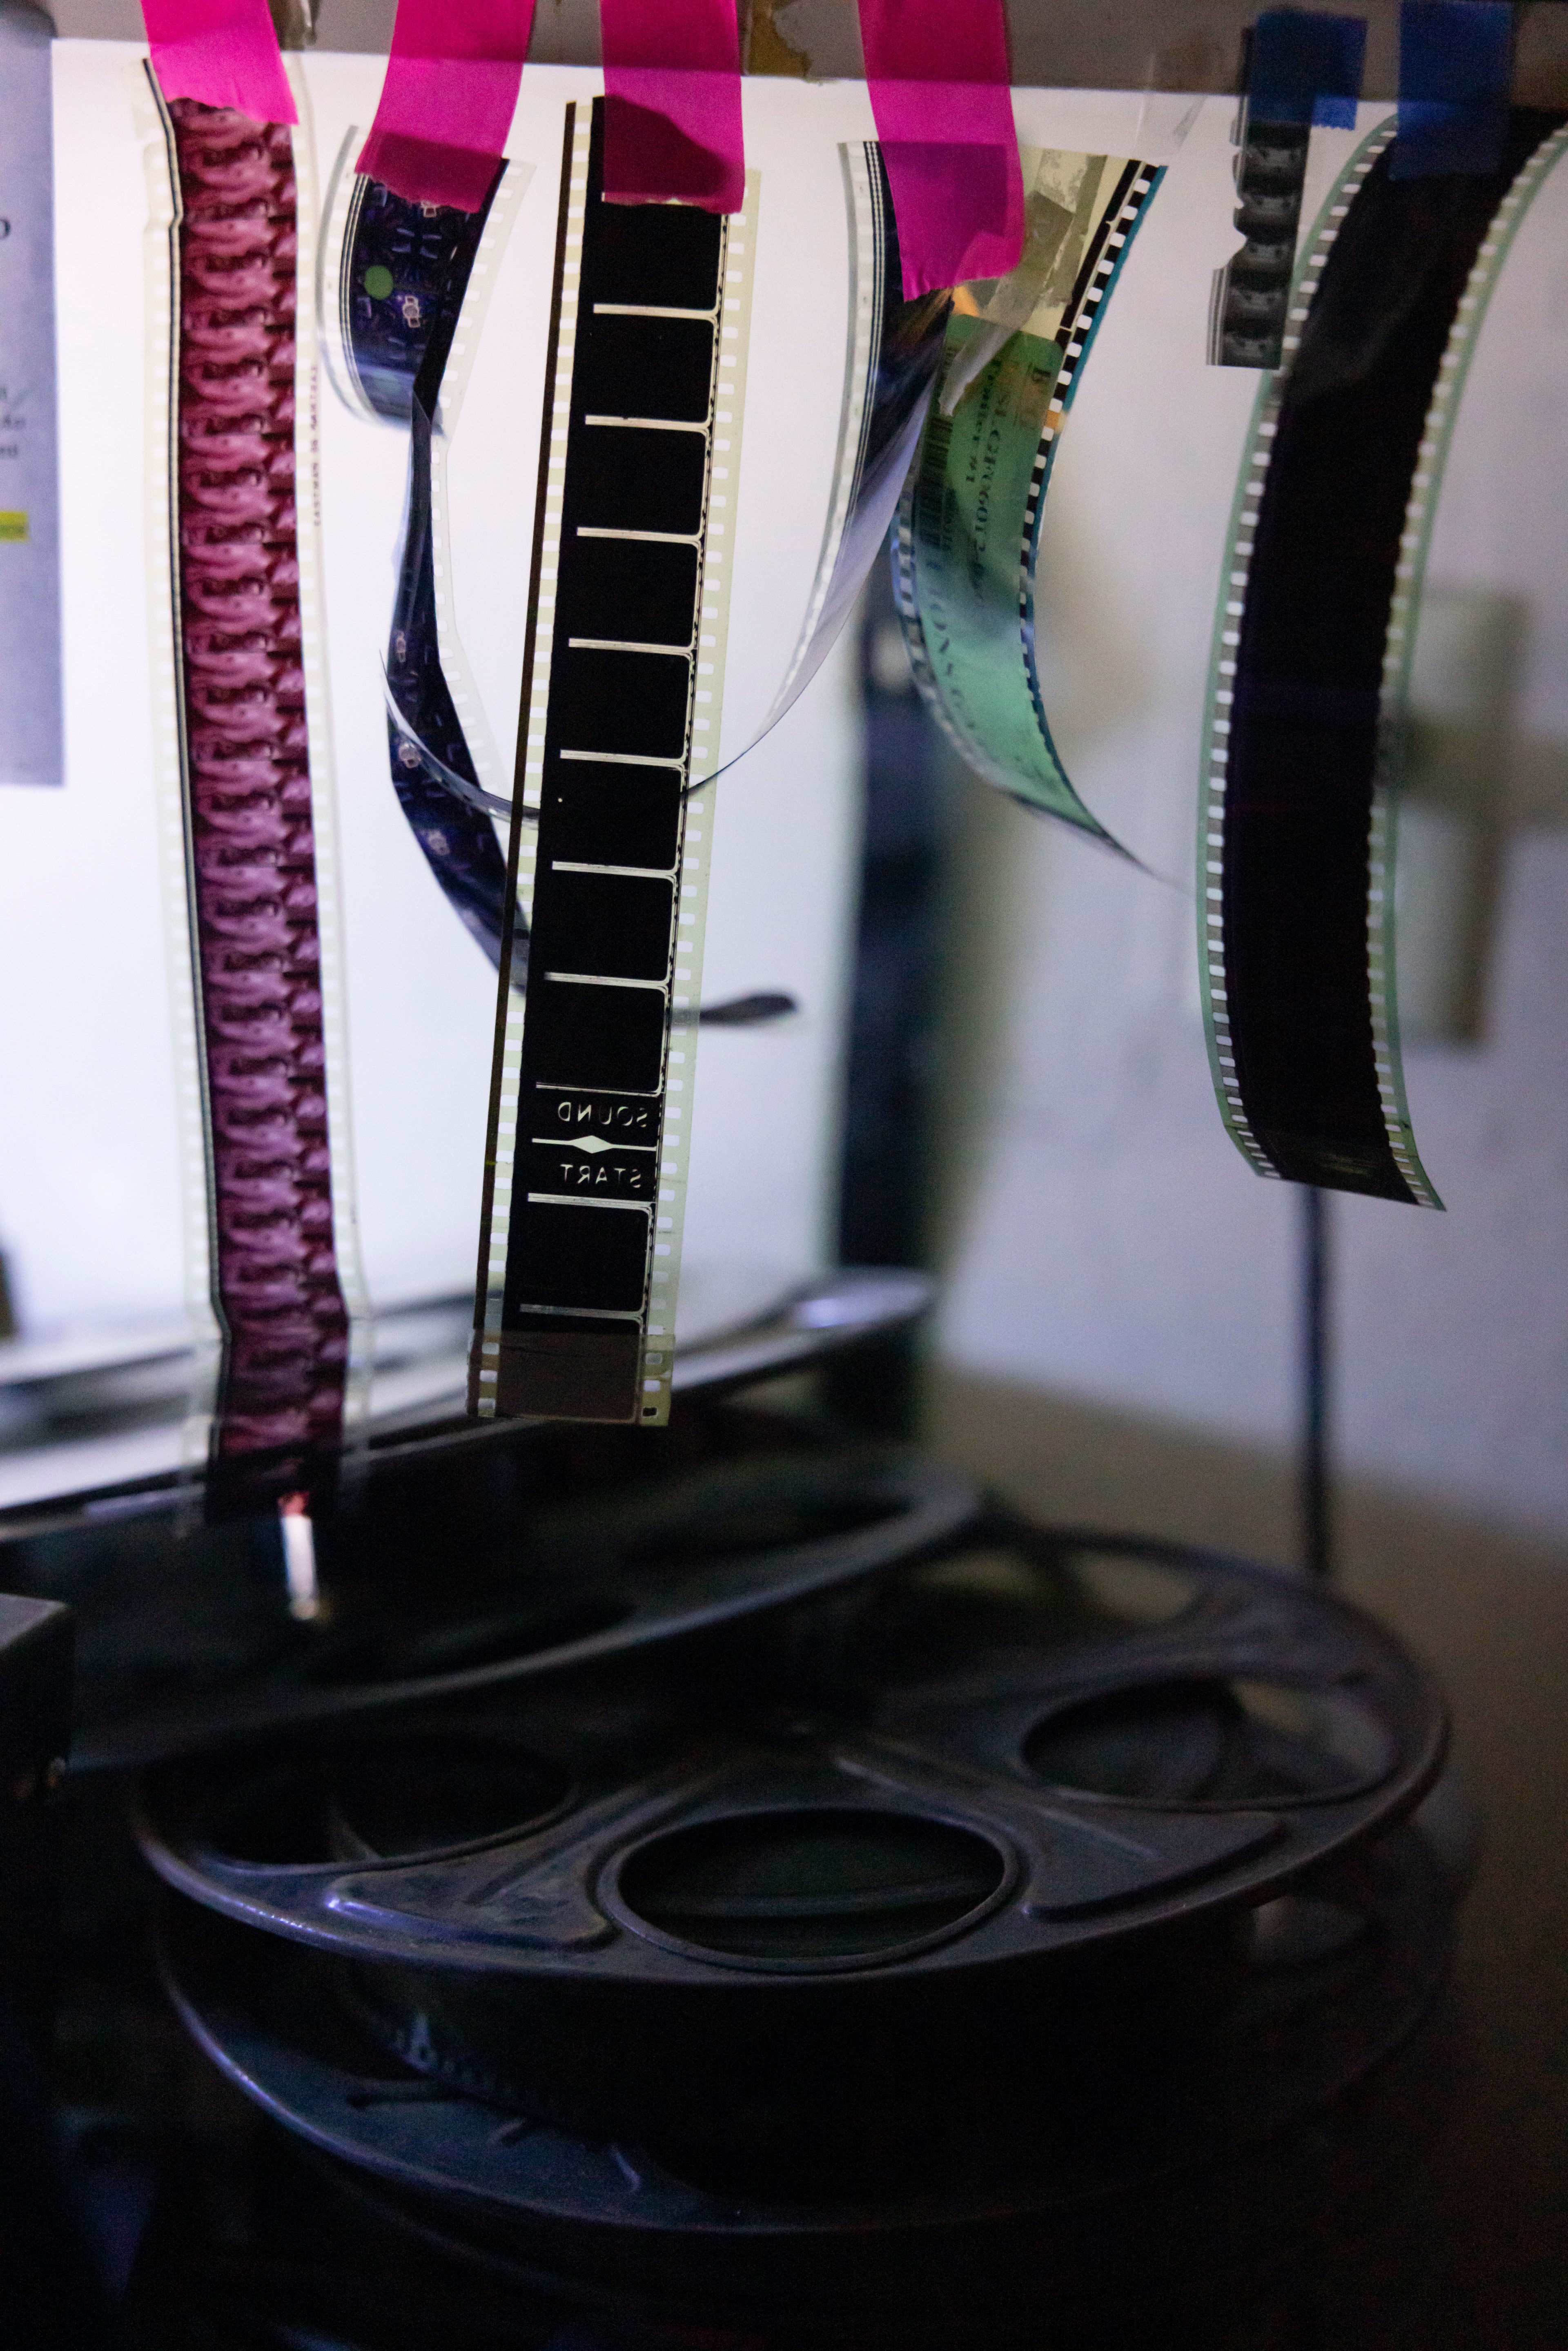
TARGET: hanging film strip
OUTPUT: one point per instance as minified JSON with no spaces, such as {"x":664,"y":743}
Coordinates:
{"x":1252,"y":291}
{"x":579,"y":1248}
{"x":968,"y":532}
{"x":895,"y":352}
{"x":1302,"y":69}
{"x":1310,"y":665}
{"x":242,"y":694}
{"x":398,"y":281}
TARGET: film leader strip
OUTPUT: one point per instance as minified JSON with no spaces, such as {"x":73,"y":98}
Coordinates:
{"x":865,"y":189}
{"x":256,"y":1383}
{"x":1537,"y":142}
{"x":629,"y":600}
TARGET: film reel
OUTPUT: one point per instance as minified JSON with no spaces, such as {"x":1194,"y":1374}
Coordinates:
{"x":430,"y":1589}
{"x":417,"y":2209}
{"x":964,"y":1862}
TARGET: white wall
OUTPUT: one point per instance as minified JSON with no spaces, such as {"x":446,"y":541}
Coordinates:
{"x":1113,"y":1243}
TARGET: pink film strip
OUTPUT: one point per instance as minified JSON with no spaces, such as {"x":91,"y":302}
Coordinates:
{"x":251,"y":840}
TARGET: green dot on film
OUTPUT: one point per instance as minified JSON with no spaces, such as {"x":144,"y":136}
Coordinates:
{"x":378,"y":283}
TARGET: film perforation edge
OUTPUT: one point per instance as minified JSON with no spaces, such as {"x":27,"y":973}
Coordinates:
{"x":161,"y":344}
{"x":496,"y":1196}
{"x":1139,"y":186}
{"x":325,"y":823}
{"x":736,"y":281}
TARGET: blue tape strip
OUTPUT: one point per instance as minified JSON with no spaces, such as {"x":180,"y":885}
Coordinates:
{"x":1306,"y":69}
{"x":1456,"y":62}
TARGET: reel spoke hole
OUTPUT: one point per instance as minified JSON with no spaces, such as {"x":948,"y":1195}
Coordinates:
{"x":995,"y":1595}
{"x":810,"y":1885}
{"x":1199,"y":1741}
{"x":389,"y":1802}
{"x":423,"y":1796}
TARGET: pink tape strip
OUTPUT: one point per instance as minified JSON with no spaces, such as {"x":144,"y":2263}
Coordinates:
{"x":448,"y":98}
{"x":939,"y":74}
{"x":671,"y":103}
{"x":221,"y":53}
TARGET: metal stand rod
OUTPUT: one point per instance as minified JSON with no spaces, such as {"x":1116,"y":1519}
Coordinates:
{"x":1315,"y":1481}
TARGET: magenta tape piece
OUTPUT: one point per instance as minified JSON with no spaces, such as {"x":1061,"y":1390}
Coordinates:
{"x":938,"y":76}
{"x":253,"y":851}
{"x":221,"y":53}
{"x":671,"y":103}
{"x":448,"y":100}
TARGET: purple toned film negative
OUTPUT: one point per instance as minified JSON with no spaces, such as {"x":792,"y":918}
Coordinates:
{"x":249,"y":830}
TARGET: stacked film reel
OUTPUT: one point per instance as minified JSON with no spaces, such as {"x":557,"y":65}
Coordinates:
{"x":463,"y":1561}
{"x":966,"y":1938}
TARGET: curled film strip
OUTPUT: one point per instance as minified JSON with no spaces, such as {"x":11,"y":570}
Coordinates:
{"x":1305,"y":728}
{"x":894,"y":356}
{"x":251,"y":884}
{"x":969,"y":527}
{"x":400,"y":317}
{"x":622,"y":687}
{"x":402,"y":296}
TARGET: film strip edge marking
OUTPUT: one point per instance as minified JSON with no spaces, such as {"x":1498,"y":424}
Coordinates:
{"x":1402,"y":623}
{"x":1226,"y":641}
{"x":1075,"y":351}
{"x":504,"y":1093}
{"x":326,"y":831}
{"x":735,"y":285}
{"x":915,"y":641}
{"x":161,"y":281}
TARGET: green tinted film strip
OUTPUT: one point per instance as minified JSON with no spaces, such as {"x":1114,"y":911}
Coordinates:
{"x":968,"y":538}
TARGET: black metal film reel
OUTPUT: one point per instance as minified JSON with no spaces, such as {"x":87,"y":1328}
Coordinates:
{"x":189,"y":1643}
{"x":961,"y":1892}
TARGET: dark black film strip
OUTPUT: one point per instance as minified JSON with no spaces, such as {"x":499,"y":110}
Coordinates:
{"x":580,"y":1301}
{"x":1302,"y":1023}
